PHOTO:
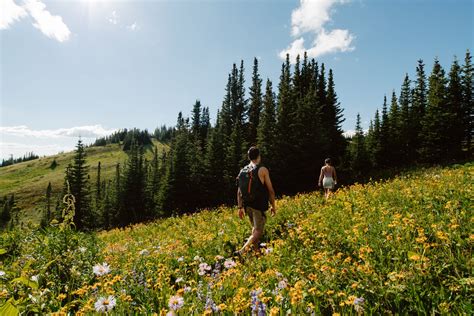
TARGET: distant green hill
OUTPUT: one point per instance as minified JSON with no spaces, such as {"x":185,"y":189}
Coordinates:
{"x":28,"y":180}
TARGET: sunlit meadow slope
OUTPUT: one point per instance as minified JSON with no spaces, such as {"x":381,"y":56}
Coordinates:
{"x":401,"y":246}
{"x":29,"y":180}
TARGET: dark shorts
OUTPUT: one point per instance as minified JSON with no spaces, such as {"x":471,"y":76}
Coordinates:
{"x":257,"y":218}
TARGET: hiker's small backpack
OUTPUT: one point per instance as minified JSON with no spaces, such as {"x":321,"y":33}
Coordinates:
{"x":248,"y":182}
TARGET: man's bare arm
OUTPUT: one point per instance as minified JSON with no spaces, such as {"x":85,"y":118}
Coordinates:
{"x":271,"y":191}
{"x":239,"y":199}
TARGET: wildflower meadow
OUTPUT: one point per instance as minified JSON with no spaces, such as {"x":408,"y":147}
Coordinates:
{"x":402,"y":246}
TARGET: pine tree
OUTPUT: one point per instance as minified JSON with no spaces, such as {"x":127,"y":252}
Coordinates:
{"x":255,"y":104}
{"x":394,"y":132}
{"x":455,"y":111}
{"x":384,"y":158}
{"x":216,"y":188}
{"x":406,"y":142}
{"x":468,"y":103}
{"x":174,"y":193}
{"x":77,"y":176}
{"x":205,"y":127}
{"x":359,"y":156}
{"x":334,"y":118}
{"x":284,"y":179}
{"x":134,"y":203}
{"x":418,"y":109}
{"x":267,"y":126}
{"x":434,"y":126}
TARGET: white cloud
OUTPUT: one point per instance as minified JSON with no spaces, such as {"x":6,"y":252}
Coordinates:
{"x":113,"y":18}
{"x":18,"y":140}
{"x":310,"y":18}
{"x":351,"y":132}
{"x":50,"y":25}
{"x":133,"y":27}
{"x":10,"y":13}
{"x":92,"y":131}
{"x":8,"y":149}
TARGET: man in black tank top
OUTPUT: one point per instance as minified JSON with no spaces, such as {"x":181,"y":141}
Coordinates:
{"x":257,"y":208}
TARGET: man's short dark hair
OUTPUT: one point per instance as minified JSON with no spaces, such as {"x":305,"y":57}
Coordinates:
{"x":253,"y":153}
{"x":328,"y":161}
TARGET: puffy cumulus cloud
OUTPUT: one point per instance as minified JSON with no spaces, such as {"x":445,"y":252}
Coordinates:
{"x":50,"y":25}
{"x":10,"y":12}
{"x":310,"y":19}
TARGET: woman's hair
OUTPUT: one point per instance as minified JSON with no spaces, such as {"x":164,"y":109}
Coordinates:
{"x":327,"y":160}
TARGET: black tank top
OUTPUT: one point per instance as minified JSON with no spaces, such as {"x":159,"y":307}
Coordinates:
{"x":261,"y":201}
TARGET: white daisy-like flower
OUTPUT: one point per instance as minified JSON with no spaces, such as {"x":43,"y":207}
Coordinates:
{"x":229,"y":263}
{"x":180,"y":259}
{"x":101,"y":269}
{"x":105,"y":304}
{"x":282,"y":284}
{"x":263,"y":244}
{"x":82,"y":249}
{"x":34,"y":278}
{"x":144,"y":252}
{"x":178,"y":280}
{"x":205,"y":266}
{"x":175,"y":302}
{"x":197,"y":258}
{"x":2,"y":273}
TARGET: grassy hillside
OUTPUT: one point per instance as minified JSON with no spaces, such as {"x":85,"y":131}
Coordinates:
{"x":401,"y":246}
{"x":28,"y":180}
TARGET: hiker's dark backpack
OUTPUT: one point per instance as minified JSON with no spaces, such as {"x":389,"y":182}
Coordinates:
{"x":249,"y":183}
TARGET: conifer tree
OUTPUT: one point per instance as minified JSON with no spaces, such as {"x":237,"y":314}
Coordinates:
{"x":394,"y":132}
{"x":267,"y":126}
{"x":358,"y":152}
{"x":434,"y":126}
{"x":455,"y":111}
{"x":255,"y":104}
{"x":418,"y":109}
{"x":285,"y":133}
{"x":334,"y":118}
{"x":384,"y":158}
{"x":77,"y":176}
{"x":405,"y":123}
{"x":468,"y":102}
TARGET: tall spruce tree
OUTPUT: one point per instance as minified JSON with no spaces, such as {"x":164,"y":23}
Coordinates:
{"x":455,"y":110}
{"x":285,"y":179}
{"x":77,"y":176}
{"x":255,"y":104}
{"x":394,"y":132}
{"x":267,"y":127}
{"x":417,"y":113}
{"x":468,"y":102}
{"x":359,"y":156}
{"x":435,"y":121}
{"x":406,"y":142}
{"x":334,"y":118}
{"x":384,"y":157}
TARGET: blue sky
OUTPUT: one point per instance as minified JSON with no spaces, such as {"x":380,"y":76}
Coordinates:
{"x":87,"y":67}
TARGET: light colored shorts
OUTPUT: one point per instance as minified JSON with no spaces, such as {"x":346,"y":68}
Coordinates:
{"x":257,"y":218}
{"x":328,"y":183}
